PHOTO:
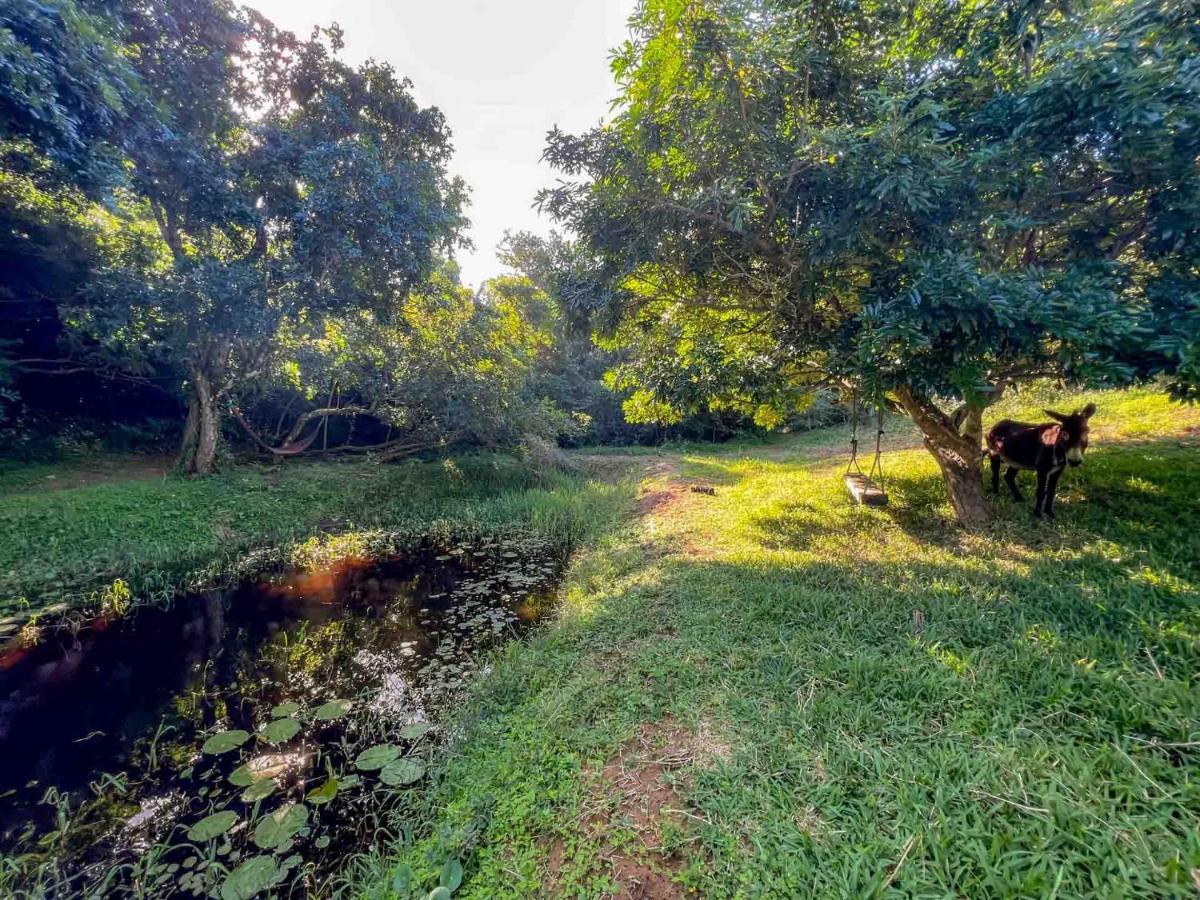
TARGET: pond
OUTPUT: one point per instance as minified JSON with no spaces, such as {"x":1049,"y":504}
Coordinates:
{"x":247,"y":739}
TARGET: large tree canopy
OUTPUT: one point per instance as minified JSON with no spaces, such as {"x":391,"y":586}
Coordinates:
{"x":924,"y":200}
{"x":255,"y":182}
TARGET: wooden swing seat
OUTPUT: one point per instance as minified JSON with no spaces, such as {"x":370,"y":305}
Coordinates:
{"x":864,"y":491}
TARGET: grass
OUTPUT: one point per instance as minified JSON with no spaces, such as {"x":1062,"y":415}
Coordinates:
{"x":163,"y":535}
{"x":772,"y":693}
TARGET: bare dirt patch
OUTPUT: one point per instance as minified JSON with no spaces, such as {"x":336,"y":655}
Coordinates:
{"x":103,"y":470}
{"x":635,"y":798}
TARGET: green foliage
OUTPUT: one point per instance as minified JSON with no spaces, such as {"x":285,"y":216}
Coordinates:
{"x":224,"y":741}
{"x":68,"y":94}
{"x":280,"y":184}
{"x":212,"y":826}
{"x":927,"y":198}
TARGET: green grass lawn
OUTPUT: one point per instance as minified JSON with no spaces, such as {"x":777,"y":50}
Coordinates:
{"x":167,"y":534}
{"x":772,"y":693}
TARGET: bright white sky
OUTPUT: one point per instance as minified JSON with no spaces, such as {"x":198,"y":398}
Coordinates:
{"x":504,"y":72}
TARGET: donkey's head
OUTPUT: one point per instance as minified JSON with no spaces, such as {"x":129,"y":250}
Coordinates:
{"x":1072,"y":437}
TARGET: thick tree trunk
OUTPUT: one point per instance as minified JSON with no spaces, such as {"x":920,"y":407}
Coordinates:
{"x":202,"y":432}
{"x":958,"y":454}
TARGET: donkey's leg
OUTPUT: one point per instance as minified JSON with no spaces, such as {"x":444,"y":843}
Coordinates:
{"x":995,"y":474}
{"x":1010,"y":478}
{"x":1051,"y":487}
{"x":1040,"y":498}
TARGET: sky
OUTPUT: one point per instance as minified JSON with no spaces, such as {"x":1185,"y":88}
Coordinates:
{"x":504,"y":72}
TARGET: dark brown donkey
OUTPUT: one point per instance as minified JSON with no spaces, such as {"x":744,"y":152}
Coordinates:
{"x":1047,"y":449}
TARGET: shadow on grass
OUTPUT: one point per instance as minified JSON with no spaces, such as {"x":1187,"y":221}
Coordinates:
{"x":1032,"y":731}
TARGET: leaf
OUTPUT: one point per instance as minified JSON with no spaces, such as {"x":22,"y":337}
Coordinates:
{"x":451,"y":875}
{"x":402,"y":771}
{"x":254,"y":875}
{"x":280,"y":826}
{"x":212,"y":826}
{"x":322,"y":842}
{"x":278,"y":731}
{"x":376,"y":757}
{"x":323,"y":794}
{"x":225,"y":741}
{"x":415,"y":731}
{"x":334,"y":709}
{"x":259,"y":790}
{"x":403,"y":880}
{"x":439,"y":893}
{"x":242,"y":776}
{"x":285,"y":709}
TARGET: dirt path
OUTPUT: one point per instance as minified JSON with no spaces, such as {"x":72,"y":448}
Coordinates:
{"x":98,"y":470}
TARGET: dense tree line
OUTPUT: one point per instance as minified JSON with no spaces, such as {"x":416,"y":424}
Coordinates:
{"x":926,"y":202}
{"x":208,"y":220}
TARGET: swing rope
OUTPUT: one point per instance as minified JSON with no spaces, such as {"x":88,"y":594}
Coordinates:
{"x":876,"y":471}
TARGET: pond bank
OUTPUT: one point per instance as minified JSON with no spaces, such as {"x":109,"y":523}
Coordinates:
{"x":287,"y":683}
{"x":142,"y":542}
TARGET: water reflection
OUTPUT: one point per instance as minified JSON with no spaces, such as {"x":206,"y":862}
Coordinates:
{"x":101,"y":730}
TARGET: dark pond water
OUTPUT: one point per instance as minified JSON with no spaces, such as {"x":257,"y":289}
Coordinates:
{"x":247,"y":739}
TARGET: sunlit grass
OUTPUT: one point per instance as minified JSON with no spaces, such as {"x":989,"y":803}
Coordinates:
{"x":164,"y":535}
{"x":910,"y":709}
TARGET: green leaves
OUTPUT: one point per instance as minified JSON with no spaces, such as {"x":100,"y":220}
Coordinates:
{"x":376,"y":757}
{"x":415,"y":731}
{"x":279,"y":730}
{"x":402,"y":771}
{"x":276,"y":829}
{"x":256,"y":874}
{"x":334,"y":709}
{"x":285,"y":709}
{"x":324,"y":793}
{"x":212,"y":826}
{"x":451,"y":875}
{"x":225,"y":741}
{"x":259,"y":790}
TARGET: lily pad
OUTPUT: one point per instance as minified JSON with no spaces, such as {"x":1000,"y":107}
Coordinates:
{"x":376,"y":757}
{"x":323,"y":794}
{"x":415,"y":731}
{"x":279,"y":730}
{"x":403,"y":879}
{"x":334,"y":709}
{"x":402,"y":771}
{"x":212,"y":826}
{"x":285,"y":709}
{"x":280,"y":826}
{"x":253,"y":876}
{"x":225,"y":741}
{"x":451,"y":875}
{"x":260,"y":790}
{"x":243,"y":776}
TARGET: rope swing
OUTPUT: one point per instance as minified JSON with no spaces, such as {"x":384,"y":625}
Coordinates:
{"x":866,"y":488}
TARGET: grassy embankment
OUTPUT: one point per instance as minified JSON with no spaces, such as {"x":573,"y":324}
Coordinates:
{"x":161,"y":535}
{"x":770,"y":692}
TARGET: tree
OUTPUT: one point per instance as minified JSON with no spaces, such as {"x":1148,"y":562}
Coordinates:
{"x":282,"y":185}
{"x":924,"y":201}
{"x":439,"y":368}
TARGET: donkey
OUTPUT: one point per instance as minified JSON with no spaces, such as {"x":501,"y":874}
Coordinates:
{"x":1047,"y":449}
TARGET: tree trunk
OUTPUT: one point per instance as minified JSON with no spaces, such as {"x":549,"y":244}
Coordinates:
{"x":958,"y":454}
{"x":202,"y":432}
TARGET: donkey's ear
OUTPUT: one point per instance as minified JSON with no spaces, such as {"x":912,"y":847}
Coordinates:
{"x":1057,"y":417}
{"x":1088,"y":411}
